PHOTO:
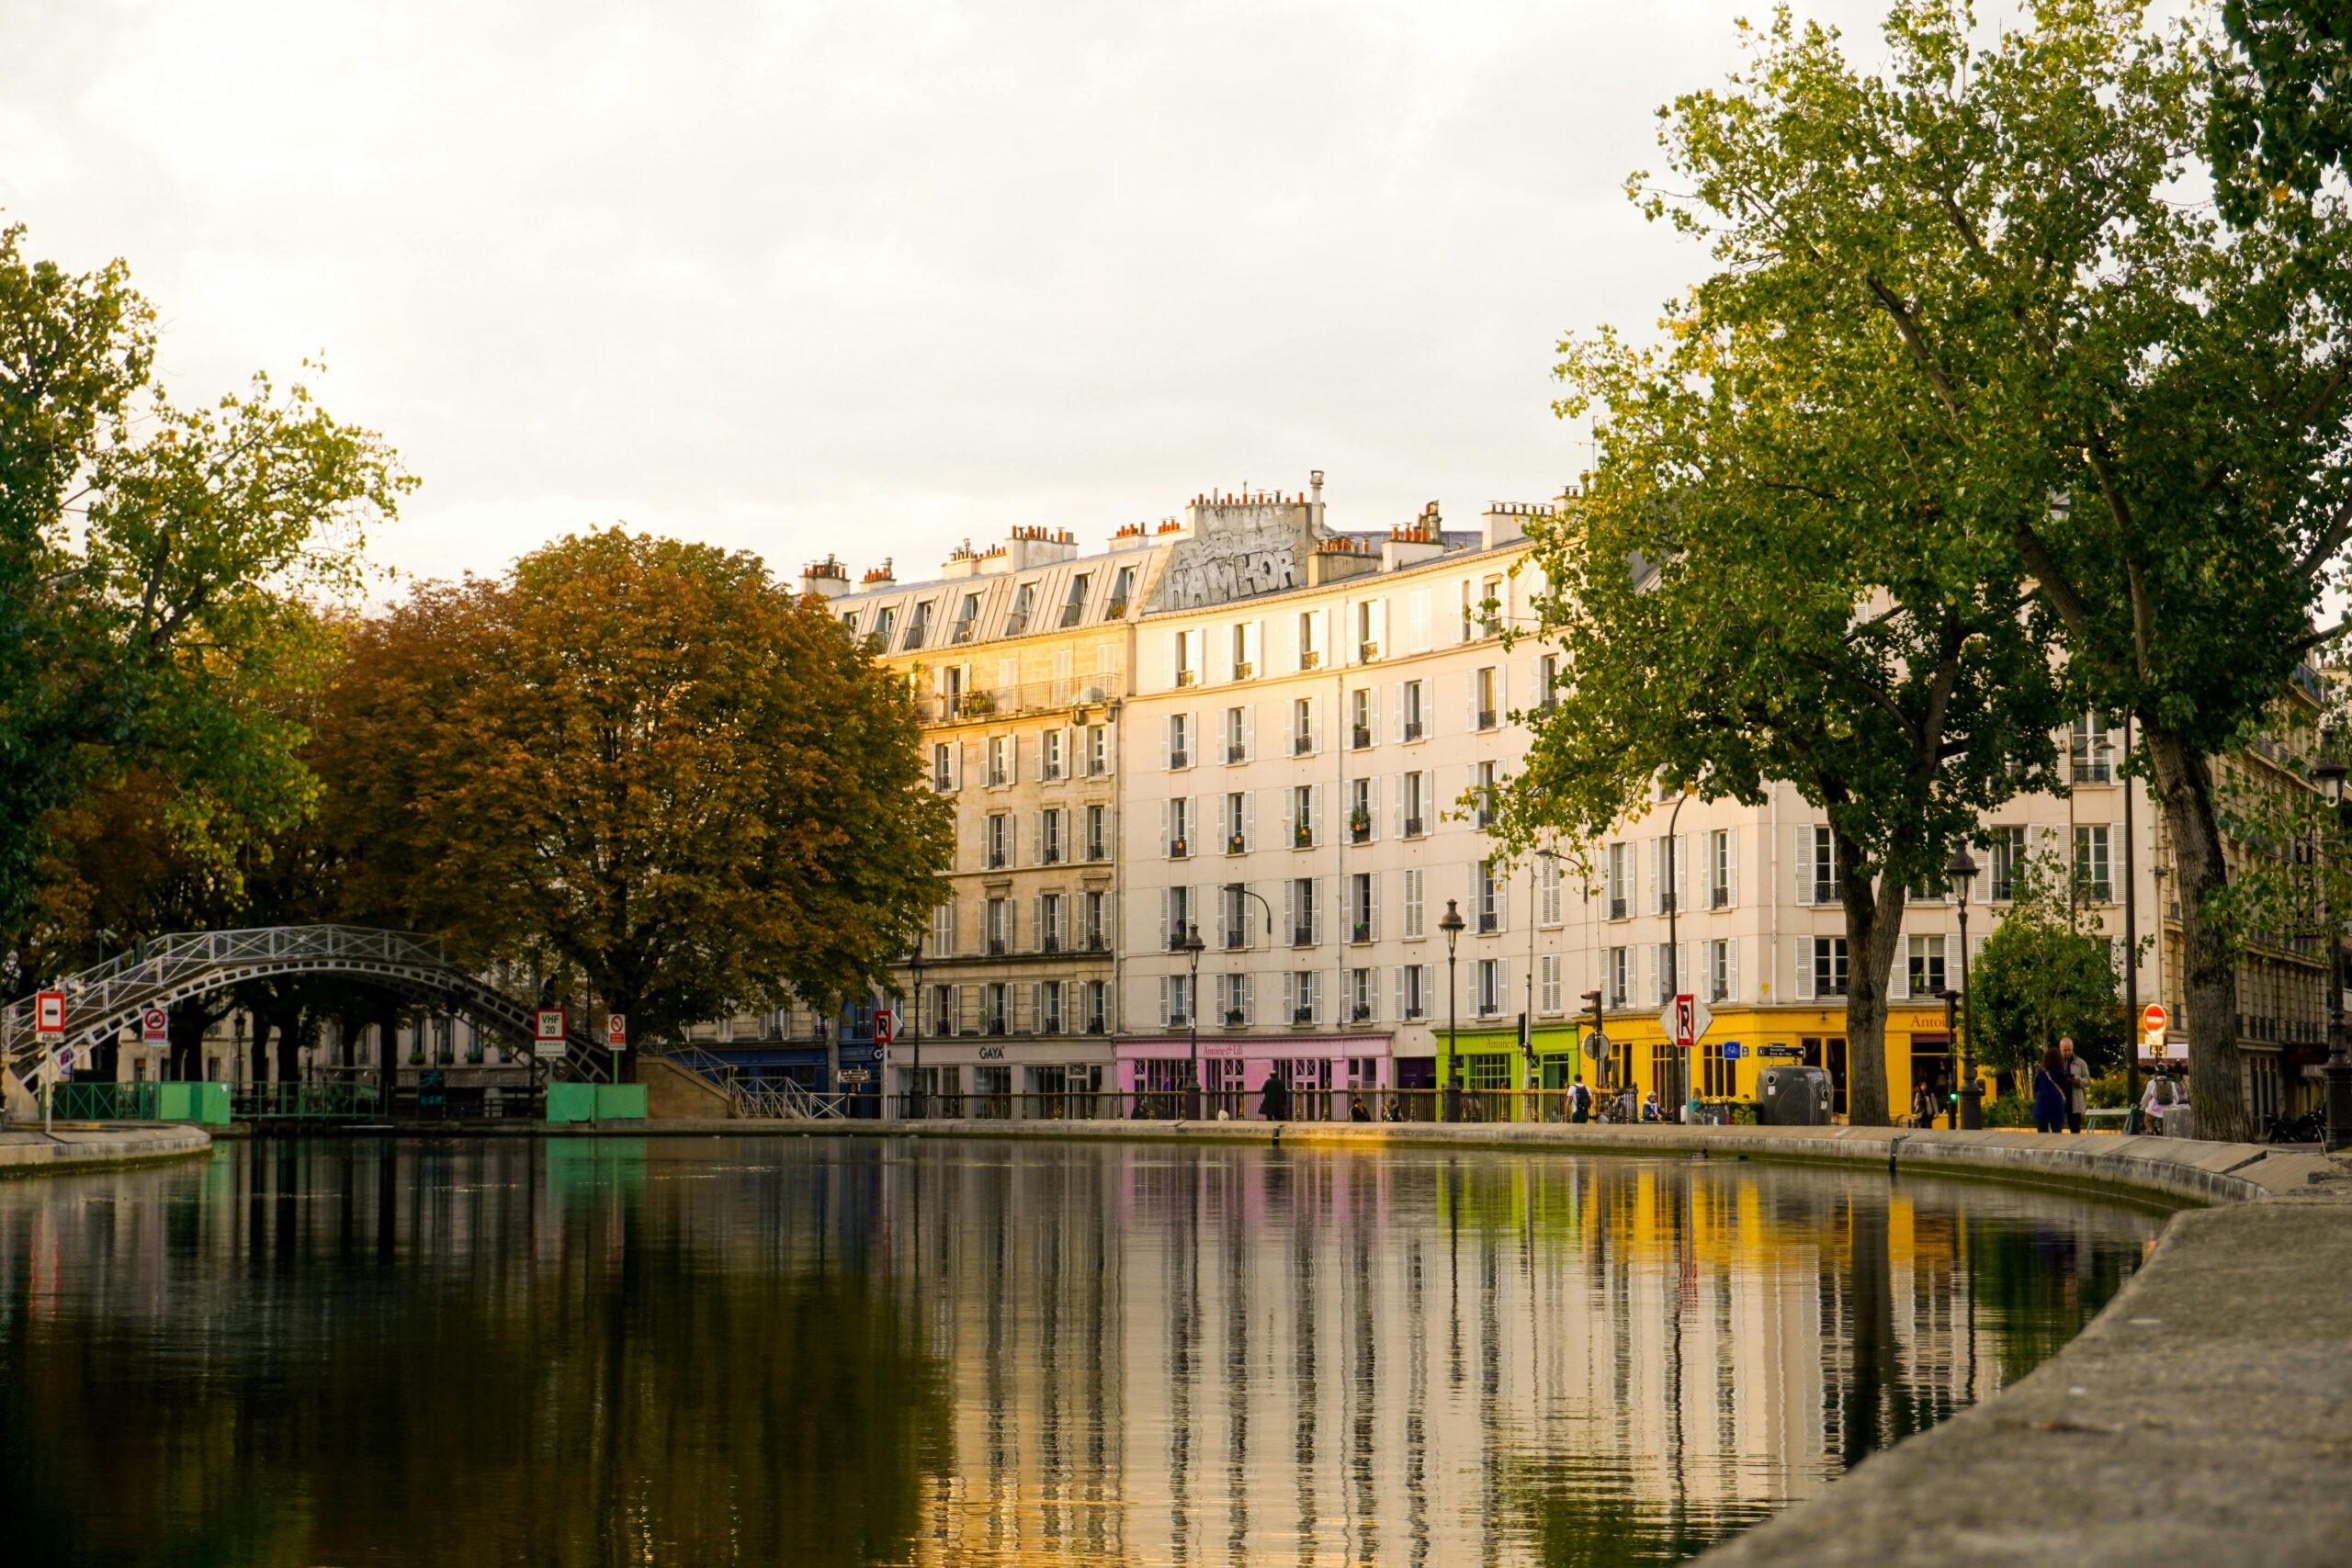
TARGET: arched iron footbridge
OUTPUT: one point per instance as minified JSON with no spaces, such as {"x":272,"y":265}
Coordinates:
{"x":110,"y":996}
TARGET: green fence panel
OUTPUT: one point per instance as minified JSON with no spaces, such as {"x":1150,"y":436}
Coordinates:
{"x":620,"y":1102}
{"x":572,"y":1103}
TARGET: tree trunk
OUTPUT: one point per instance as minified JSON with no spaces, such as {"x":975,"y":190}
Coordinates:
{"x":2210,"y":984}
{"x":290,"y":1025}
{"x":184,"y":1060}
{"x":1873,"y":925}
{"x":387,"y":1045}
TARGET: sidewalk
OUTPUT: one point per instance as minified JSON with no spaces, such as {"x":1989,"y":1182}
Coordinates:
{"x":28,"y":1151}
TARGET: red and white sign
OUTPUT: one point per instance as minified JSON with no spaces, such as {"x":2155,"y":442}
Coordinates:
{"x":885,"y":1026}
{"x":1685,"y":1019}
{"x":154,"y":1027}
{"x":616,"y":1031}
{"x":2153,"y":1020}
{"x":549,"y":1029}
{"x":48,"y":1012}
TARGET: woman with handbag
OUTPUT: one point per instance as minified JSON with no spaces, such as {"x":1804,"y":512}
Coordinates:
{"x":2051,"y":1083}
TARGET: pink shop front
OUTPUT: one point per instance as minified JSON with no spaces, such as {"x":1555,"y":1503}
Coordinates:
{"x":1322,"y":1070}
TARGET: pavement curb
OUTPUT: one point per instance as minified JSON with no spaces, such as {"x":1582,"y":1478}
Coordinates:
{"x":31,"y":1152}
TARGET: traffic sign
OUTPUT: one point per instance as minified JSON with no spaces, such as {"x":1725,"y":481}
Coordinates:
{"x":616,"y":1031}
{"x":2152,"y":1019}
{"x":48,"y":1012}
{"x":1685,"y":1019}
{"x":154,"y":1027}
{"x":885,"y":1026}
{"x":1734,"y":1050}
{"x":1596,"y":1045}
{"x":549,"y":1028}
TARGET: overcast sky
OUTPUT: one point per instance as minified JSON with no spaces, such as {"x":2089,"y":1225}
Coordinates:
{"x":875,"y":277}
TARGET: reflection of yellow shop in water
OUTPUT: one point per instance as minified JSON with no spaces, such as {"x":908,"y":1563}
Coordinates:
{"x":1741,"y":1041}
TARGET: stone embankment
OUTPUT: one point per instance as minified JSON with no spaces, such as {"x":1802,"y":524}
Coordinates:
{"x":28,"y":1151}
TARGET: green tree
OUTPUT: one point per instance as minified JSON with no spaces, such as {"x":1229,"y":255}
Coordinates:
{"x":157,"y":568}
{"x":2149,"y":411}
{"x":642,"y":761}
{"x":2282,"y":100}
{"x":2045,"y":974}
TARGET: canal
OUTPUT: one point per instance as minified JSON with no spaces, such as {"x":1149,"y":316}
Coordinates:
{"x":819,"y":1351}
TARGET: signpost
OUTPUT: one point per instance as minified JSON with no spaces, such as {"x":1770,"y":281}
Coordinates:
{"x":549,"y":1031}
{"x":1734,"y":1050}
{"x":1685,"y":1020}
{"x":154,"y":1027}
{"x":2152,"y":1019}
{"x":885,"y":1026}
{"x":616,"y":1031}
{"x":1596,"y":1045}
{"x":48,"y":1012}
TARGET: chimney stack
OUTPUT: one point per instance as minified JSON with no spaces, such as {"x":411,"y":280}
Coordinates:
{"x":827,"y":579}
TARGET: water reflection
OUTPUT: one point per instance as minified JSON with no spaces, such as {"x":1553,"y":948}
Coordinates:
{"x":833,"y":1353}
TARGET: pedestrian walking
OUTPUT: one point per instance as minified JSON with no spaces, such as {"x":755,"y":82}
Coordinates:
{"x":2161,"y":1095}
{"x":1923,"y":1105}
{"x":2050,"y":1081}
{"x":1579,"y":1102}
{"x":2078,"y":1084}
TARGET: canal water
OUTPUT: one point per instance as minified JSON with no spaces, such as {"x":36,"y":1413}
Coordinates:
{"x":820,"y":1351}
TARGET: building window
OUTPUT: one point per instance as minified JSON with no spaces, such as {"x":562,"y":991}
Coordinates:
{"x":1097,"y":934}
{"x":1621,"y":881}
{"x":1362,"y":811}
{"x":943,"y":930}
{"x":1617,"y":972}
{"x":996,"y":1010}
{"x":1415,"y":717}
{"x":1361,"y":994}
{"x":1000,"y":841}
{"x":1098,"y":832}
{"x":1665,"y":871}
{"x":1360,"y":719}
{"x":1829,"y":966}
{"x":1547,"y":984}
{"x":1927,"y":966}
{"x":1413,"y":902}
{"x":1304,"y":916}
{"x":1417,"y":805}
{"x":1237,"y":735}
{"x":1098,"y":750}
{"x":1487,"y":797}
{"x":1050,"y":922}
{"x":1074,"y":607}
{"x":1237,"y":823}
{"x":2091,"y":752}
{"x":2091,"y":880}
{"x":1547,"y":681}
{"x":1310,"y":639}
{"x":1235,"y":912}
{"x":1723,"y":870}
{"x":1245,"y":663}
{"x":999,"y":926}
{"x":1302,"y":995}
{"x":1049,"y":838}
{"x":1715,"y":1071}
{"x":918,"y":627}
{"x":1179,"y":916}
{"x":1491,"y":892}
{"x":1188,"y":658}
{"x":1180,"y":741}
{"x":1302,"y":727}
{"x":1001,"y":760}
{"x":2006,"y":851}
{"x":1098,"y":1007}
{"x":1413,"y":991}
{"x":1489,"y":981}
{"x":1049,"y":755}
{"x":1180,"y":1000}
{"x":1234,"y":1000}
{"x":1123,"y":589}
{"x":1548,"y":882}
{"x":943,"y":767}
{"x":1723,"y":970}
{"x":1363,"y":912}
{"x":1179,"y":828}
{"x":1302,"y":816}
{"x":1816,"y":866}
{"x":1485,"y":701}
{"x":1671,"y":977}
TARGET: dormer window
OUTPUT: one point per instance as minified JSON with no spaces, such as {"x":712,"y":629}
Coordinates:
{"x":1024,"y":598}
{"x":1122,"y":589}
{"x":967,"y":618}
{"x":886,"y":620}
{"x":1075,"y":605}
{"x":918,"y":627}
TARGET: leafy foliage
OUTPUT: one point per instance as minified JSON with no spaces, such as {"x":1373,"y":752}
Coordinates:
{"x":641,"y":760}
{"x":1980,"y":255}
{"x":2282,"y":94}
{"x":158,"y":566}
{"x":2044,"y":975}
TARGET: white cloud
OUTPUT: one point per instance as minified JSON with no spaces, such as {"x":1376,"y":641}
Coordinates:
{"x":790,"y":274}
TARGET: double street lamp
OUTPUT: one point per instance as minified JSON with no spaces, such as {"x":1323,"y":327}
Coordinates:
{"x":915,"y":1097}
{"x":1969,"y":1102}
{"x":2329,"y":774}
{"x":1450,"y":924}
{"x":1192,"y":947}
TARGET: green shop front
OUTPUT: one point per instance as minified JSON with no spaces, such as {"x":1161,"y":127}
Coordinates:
{"x":1491,"y":1060}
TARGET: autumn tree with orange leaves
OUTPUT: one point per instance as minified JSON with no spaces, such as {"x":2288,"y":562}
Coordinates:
{"x":640,"y":761}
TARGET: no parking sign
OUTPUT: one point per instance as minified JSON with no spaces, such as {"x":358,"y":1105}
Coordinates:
{"x":154,"y":1027}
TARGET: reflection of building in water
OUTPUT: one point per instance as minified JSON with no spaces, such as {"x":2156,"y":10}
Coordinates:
{"x":1234,"y":1358}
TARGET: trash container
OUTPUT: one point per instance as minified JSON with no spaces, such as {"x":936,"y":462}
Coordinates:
{"x":1793,"y":1097}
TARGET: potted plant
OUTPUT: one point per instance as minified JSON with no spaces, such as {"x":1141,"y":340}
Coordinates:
{"x":1360,"y":824}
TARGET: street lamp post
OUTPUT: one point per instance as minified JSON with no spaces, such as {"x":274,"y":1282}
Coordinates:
{"x":1952,"y":1046}
{"x":1968,"y":1109}
{"x":916,"y":1105}
{"x":1193,"y":945}
{"x":1452,"y":926}
{"x":2330,"y":775}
